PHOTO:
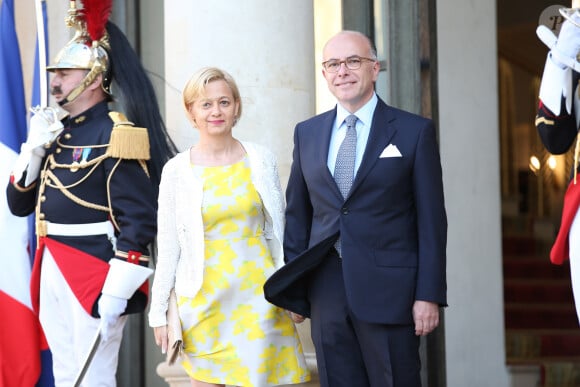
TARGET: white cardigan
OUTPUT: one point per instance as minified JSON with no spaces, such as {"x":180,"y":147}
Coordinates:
{"x":180,"y":239}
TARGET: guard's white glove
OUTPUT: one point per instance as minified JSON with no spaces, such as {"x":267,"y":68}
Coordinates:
{"x":110,"y":309}
{"x":123,"y":279}
{"x":568,"y":44}
{"x":44,"y":128}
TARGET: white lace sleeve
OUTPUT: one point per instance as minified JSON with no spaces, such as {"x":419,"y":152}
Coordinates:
{"x":277,"y":194}
{"x":168,"y":246}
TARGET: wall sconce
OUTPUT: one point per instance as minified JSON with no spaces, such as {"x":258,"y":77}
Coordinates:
{"x":552,"y":162}
{"x":535,"y":165}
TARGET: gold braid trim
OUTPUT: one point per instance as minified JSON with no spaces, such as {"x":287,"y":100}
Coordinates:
{"x":143,"y":165}
{"x":109,"y":194}
{"x":70,"y":166}
{"x":543,"y":120}
{"x":79,"y":146}
{"x":91,"y":163}
{"x":128,"y":141}
{"x":122,"y":254}
{"x":20,"y":188}
{"x":58,"y":185}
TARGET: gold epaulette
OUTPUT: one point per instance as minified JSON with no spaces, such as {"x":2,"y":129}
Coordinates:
{"x":128,"y":141}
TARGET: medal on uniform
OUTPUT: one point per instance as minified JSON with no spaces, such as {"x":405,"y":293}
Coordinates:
{"x":76,"y":155}
{"x":86,"y":153}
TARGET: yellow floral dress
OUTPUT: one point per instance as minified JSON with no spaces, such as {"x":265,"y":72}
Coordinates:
{"x":232,"y":335}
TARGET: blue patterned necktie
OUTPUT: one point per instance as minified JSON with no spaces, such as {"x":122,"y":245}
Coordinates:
{"x":344,"y":167}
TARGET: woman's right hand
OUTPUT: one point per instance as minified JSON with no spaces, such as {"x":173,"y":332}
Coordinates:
{"x":161,"y":337}
{"x":296,"y":317}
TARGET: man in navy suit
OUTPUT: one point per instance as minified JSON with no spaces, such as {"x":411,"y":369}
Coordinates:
{"x":370,"y":302}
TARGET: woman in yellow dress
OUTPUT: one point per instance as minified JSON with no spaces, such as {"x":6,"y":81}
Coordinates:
{"x":220,"y":227}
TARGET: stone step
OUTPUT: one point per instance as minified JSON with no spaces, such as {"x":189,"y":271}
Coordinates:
{"x":541,"y":345}
{"x":519,"y":245}
{"x":540,"y":316}
{"x":534,"y":267}
{"x":535,"y":290}
{"x":560,"y":374}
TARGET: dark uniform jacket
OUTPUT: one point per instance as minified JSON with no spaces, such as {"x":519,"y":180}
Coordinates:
{"x":81,"y":183}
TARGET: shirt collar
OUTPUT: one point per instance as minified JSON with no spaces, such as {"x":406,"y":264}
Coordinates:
{"x":364,"y":114}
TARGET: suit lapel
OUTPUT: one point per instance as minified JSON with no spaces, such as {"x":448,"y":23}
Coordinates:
{"x":322,"y":160}
{"x":381,"y":133}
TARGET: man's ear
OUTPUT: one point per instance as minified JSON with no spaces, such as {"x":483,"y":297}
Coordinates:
{"x":96,"y":83}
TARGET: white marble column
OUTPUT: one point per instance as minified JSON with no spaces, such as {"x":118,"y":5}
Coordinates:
{"x":268,"y":47}
{"x":468,"y":124}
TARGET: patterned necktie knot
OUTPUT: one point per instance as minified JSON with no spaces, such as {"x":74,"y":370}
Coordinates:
{"x":350,"y":121}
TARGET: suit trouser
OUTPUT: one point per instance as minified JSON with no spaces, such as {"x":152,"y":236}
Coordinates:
{"x":70,"y":330}
{"x":351,"y":352}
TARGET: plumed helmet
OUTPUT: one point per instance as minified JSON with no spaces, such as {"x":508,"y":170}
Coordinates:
{"x":80,"y":56}
{"x":89,"y":48}
{"x":100,"y":47}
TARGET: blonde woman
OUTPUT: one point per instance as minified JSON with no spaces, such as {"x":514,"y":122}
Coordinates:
{"x":220,"y":227}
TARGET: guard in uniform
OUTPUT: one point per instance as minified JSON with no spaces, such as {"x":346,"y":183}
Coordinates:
{"x":557,"y":122}
{"x":89,"y":176}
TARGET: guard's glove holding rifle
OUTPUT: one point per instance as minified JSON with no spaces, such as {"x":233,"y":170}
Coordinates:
{"x":568,"y":44}
{"x":45,"y":126}
{"x":123,"y":279}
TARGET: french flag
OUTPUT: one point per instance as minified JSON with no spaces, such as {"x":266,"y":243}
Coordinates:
{"x":21,"y":338}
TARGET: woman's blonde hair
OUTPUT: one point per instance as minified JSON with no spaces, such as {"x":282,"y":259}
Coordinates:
{"x":195,"y":88}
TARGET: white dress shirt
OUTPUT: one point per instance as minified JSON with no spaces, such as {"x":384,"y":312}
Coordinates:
{"x":363,"y":127}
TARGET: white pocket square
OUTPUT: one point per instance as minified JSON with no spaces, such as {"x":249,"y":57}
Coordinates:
{"x":391,"y":151}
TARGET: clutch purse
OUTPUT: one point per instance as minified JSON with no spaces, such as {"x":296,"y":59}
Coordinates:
{"x":174,"y":334}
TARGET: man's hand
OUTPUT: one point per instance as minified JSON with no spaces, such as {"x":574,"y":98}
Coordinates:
{"x":425,"y":316}
{"x":44,"y":128}
{"x":110,"y":309}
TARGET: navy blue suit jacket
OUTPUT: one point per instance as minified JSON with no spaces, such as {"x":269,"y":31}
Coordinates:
{"x":392,"y":224}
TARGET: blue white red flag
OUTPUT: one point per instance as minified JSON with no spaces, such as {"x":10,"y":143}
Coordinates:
{"x":20,"y":334}
{"x":46,"y":378}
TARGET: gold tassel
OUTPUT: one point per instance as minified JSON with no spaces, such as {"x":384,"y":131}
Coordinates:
{"x":128,"y":141}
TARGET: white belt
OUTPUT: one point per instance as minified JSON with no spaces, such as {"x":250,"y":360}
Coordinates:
{"x":82,"y":229}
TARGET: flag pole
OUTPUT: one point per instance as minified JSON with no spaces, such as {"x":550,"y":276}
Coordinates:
{"x":41,"y":38}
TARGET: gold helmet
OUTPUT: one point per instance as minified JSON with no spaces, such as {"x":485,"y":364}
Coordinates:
{"x":87,"y":50}
{"x":100,"y":47}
